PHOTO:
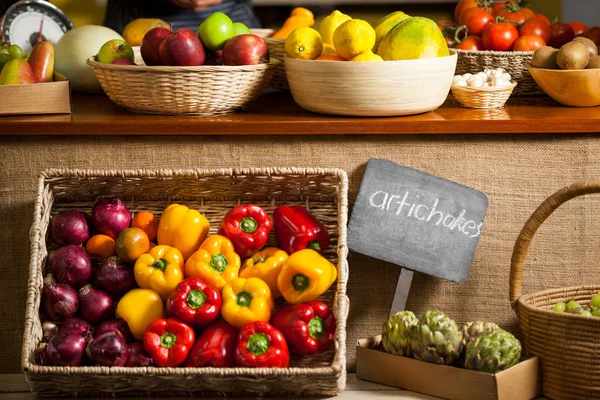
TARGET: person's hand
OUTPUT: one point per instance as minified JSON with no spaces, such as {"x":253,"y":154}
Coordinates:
{"x":195,"y":5}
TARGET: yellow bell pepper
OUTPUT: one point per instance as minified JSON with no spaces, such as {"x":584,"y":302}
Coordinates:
{"x":182,"y":228}
{"x":305,"y":276}
{"x":216,"y":262}
{"x":161,"y":269}
{"x":245,"y":301}
{"x":139,"y":307}
{"x":266,"y":265}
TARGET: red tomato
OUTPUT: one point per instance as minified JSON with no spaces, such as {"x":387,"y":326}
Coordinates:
{"x":579,"y":28}
{"x":544,"y":18}
{"x":475,"y":19}
{"x":500,"y":5}
{"x":472,"y":43}
{"x":528,"y":43}
{"x":536,"y":26}
{"x":515,"y":13}
{"x":499,"y":36}
{"x":594,"y":35}
{"x":462,"y":6}
{"x":560,"y":33}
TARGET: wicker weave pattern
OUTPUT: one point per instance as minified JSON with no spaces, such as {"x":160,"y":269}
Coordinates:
{"x":567,"y":344}
{"x":493,"y":97}
{"x":277,"y":51}
{"x":515,"y":62}
{"x":213,"y":192}
{"x":203,"y":90}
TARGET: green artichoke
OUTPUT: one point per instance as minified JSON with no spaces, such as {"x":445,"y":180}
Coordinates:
{"x":493,"y":352}
{"x":437,"y":339}
{"x":397,"y":332}
{"x":472,"y":330}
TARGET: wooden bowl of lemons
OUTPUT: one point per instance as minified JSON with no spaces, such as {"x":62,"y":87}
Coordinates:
{"x":374,"y":89}
{"x":575,"y":88}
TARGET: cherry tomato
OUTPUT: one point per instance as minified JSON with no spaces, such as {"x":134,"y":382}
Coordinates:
{"x":528,"y":43}
{"x":472,"y":43}
{"x":560,"y":33}
{"x":579,"y":28}
{"x":536,"y":26}
{"x":475,"y":19}
{"x":544,"y":18}
{"x":594,"y":35}
{"x":515,"y":13}
{"x":500,"y":5}
{"x":499,"y":36}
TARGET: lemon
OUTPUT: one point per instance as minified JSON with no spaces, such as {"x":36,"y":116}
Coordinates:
{"x":329,"y":50}
{"x":304,"y":43}
{"x":385,"y":24}
{"x":136,"y":29}
{"x":330,"y":24}
{"x":412,"y":39}
{"x":367,"y":56}
{"x":353,"y":37}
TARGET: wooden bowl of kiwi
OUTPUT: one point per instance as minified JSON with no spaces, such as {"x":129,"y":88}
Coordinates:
{"x":571,"y":74}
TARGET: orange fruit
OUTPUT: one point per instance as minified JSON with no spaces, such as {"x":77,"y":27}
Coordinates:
{"x":100,"y":247}
{"x":132,"y":243}
{"x":330,"y":57}
{"x":147,"y":222}
{"x":302,"y":12}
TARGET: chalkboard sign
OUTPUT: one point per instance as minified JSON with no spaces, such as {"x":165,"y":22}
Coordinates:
{"x":417,"y":220}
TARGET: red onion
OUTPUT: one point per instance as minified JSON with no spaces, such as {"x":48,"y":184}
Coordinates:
{"x":115,"y":325}
{"x":110,"y":217}
{"x":71,"y":265}
{"x":66,"y":347}
{"x":77,"y":326}
{"x":109,"y":349}
{"x":59,"y":301}
{"x":70,"y":227}
{"x":96,"y":305}
{"x":138,"y":356}
{"x":113,"y":276}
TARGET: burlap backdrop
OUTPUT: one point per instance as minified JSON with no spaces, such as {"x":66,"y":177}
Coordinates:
{"x":517,"y":173}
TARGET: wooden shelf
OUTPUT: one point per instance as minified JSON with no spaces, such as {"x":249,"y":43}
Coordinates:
{"x":277,"y":114}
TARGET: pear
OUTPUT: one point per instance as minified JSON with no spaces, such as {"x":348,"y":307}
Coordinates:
{"x":16,"y":72}
{"x":41,"y":60}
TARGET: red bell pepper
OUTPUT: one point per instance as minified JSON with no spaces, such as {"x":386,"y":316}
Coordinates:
{"x":261,"y":345}
{"x":297,"y":229}
{"x":248,"y":227}
{"x":195,"y":303}
{"x":215,"y":347}
{"x":309,"y":328}
{"x":168,"y":341}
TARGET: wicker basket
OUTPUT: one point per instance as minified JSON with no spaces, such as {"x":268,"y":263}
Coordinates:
{"x":515,"y":62}
{"x":488,"y":97}
{"x":568,"y":345}
{"x":213,"y":192}
{"x":203,"y":90}
{"x":277,"y":51}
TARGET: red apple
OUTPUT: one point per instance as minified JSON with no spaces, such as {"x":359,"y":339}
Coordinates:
{"x":123,"y":61}
{"x":182,"y":48}
{"x":247,"y":49}
{"x":213,"y":57}
{"x":151,"y":45}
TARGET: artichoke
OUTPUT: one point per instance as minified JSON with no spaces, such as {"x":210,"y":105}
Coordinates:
{"x":493,"y":352}
{"x":437,"y":339}
{"x":472,"y":330}
{"x":397,"y":332}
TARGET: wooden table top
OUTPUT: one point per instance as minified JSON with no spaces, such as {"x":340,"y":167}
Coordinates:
{"x":276,"y":113}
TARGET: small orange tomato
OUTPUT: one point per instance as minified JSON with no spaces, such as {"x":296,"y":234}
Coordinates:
{"x":132,"y":243}
{"x":100,"y":247}
{"x":147,"y":222}
{"x":152,"y":245}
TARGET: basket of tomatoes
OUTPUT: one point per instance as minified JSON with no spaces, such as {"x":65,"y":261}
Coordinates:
{"x":505,"y":34}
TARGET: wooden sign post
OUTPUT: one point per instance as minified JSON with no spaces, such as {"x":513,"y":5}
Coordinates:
{"x":418,"y":221}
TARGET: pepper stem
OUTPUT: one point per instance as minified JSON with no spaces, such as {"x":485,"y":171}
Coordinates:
{"x":167,"y":340}
{"x":244,"y":299}
{"x":316,"y":328}
{"x":258,"y":344}
{"x":195,"y":298}
{"x":160,"y":264}
{"x":314,"y":245}
{"x":218,"y":262}
{"x":300,"y":282}
{"x":259,"y":260}
{"x":248,"y":225}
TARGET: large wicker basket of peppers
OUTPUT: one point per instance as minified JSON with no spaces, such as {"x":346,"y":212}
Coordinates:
{"x":188,"y":283}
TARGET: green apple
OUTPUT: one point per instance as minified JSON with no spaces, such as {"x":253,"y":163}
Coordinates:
{"x":113,"y":50}
{"x":240,"y":28}
{"x":216,"y":30}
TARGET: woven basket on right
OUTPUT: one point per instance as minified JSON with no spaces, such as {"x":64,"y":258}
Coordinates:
{"x":567,"y":344}
{"x":277,"y":51}
{"x":515,"y":62}
{"x":490,"y":97}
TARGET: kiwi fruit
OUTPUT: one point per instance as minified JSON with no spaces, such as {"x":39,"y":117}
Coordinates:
{"x":545,"y":57}
{"x":592,"y":48}
{"x":573,"y":55}
{"x":594,"y":63}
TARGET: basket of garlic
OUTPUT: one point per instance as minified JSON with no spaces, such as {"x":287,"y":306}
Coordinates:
{"x":488,"y":89}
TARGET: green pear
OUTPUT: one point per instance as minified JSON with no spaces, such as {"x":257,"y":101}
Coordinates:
{"x":16,"y":72}
{"x":240,"y":28}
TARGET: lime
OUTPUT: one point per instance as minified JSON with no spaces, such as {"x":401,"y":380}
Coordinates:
{"x":216,"y":30}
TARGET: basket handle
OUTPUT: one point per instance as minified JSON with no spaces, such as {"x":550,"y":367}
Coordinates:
{"x":532,"y":225}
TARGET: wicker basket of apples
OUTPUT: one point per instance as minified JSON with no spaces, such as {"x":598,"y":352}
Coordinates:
{"x":216,"y":70}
